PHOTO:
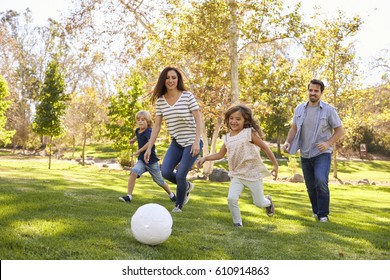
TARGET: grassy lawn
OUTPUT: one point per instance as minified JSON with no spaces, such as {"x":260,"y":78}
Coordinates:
{"x":73,"y":212}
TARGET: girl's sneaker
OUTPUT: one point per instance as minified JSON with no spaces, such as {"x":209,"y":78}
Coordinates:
{"x":270,"y":210}
{"x":190,"y":187}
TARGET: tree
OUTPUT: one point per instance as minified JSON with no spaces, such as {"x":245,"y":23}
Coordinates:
{"x":271,"y":86}
{"x":52,"y":105}
{"x":86,"y":112}
{"x":254,"y":24}
{"x":5,"y":135}
{"x":20,"y":63}
{"x":122,"y":109}
{"x":329,"y":56}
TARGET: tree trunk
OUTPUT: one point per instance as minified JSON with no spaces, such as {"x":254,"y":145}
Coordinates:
{"x":233,"y":50}
{"x":334,"y":104}
{"x":334,"y":161}
{"x":279,"y":137}
{"x":209,"y":168}
{"x":50,"y":143}
{"x":83,"y":152}
{"x":74,"y":146}
{"x":205,"y":147}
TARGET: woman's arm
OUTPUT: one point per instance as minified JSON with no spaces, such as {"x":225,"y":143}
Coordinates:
{"x":195,"y":150}
{"x":153,"y":137}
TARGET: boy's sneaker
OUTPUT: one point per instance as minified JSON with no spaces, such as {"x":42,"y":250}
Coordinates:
{"x":270,"y":210}
{"x":177,"y":209}
{"x":315,"y":216}
{"x":190,"y":187}
{"x":324,"y":219}
{"x":125,"y":198}
{"x":238,"y":225}
{"x":173,"y":198}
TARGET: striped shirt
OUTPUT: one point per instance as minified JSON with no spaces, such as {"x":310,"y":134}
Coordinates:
{"x":178,"y":117}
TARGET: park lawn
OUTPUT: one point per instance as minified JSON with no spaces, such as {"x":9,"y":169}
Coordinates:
{"x":72,"y":212}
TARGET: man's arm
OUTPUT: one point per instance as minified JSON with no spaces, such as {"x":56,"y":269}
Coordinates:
{"x":290,"y":137}
{"x":338,"y":133}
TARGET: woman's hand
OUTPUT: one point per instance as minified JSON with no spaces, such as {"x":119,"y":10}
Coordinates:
{"x":195,"y":149}
{"x":147,"y":155}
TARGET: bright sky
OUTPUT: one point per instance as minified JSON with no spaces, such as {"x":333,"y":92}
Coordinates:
{"x":371,"y":39}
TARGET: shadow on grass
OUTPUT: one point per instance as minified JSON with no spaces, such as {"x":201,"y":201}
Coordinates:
{"x":74,"y":213}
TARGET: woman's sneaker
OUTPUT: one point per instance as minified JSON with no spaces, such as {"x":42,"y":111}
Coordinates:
{"x":177,"y":209}
{"x":190,"y":187}
{"x":270,"y":210}
{"x":324,"y":219}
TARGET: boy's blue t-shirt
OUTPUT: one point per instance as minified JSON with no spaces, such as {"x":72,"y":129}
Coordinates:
{"x":142,"y":139}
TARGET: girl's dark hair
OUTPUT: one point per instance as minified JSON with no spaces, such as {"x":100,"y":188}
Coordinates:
{"x":249,"y":120}
{"x":160,"y":89}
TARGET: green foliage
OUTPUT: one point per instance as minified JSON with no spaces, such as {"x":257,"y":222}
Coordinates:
{"x":272,"y":89}
{"x":122,"y":110}
{"x":73,"y":213}
{"x":367,"y":122}
{"x":292,"y":165}
{"x":52,"y":103}
{"x":5,"y":135}
{"x":126,"y":158}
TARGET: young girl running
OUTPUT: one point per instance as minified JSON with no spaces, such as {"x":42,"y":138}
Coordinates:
{"x":245,"y":165}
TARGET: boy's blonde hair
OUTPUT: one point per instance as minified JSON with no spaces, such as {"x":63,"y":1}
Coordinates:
{"x":146,"y":115}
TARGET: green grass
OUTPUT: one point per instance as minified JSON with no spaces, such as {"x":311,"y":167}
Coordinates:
{"x":101,"y":151}
{"x":73,"y":212}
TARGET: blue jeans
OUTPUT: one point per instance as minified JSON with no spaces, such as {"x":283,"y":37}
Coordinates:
{"x":181,"y":157}
{"x":154,"y":169}
{"x":316,"y":174}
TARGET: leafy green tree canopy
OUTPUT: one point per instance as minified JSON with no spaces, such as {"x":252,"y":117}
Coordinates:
{"x":5,"y":135}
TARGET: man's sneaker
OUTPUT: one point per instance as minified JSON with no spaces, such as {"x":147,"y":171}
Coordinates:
{"x":125,"y":198}
{"x":190,"y":187}
{"x":324,"y":219}
{"x":177,"y":209}
{"x":173,"y":198}
{"x":270,"y":210}
{"x":315,"y":216}
{"x":238,"y":225}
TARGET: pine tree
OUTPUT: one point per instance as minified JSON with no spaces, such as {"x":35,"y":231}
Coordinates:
{"x":52,"y":105}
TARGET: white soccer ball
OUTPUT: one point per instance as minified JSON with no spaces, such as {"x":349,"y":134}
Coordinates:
{"x":151,"y":224}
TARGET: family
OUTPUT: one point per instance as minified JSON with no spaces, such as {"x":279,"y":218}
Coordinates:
{"x":315,"y":128}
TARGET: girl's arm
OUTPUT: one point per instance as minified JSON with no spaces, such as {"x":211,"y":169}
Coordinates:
{"x":216,"y":156}
{"x":153,"y":137}
{"x":259,"y":142}
{"x":195,"y":150}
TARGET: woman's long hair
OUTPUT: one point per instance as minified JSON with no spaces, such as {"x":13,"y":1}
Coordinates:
{"x":160,"y":89}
